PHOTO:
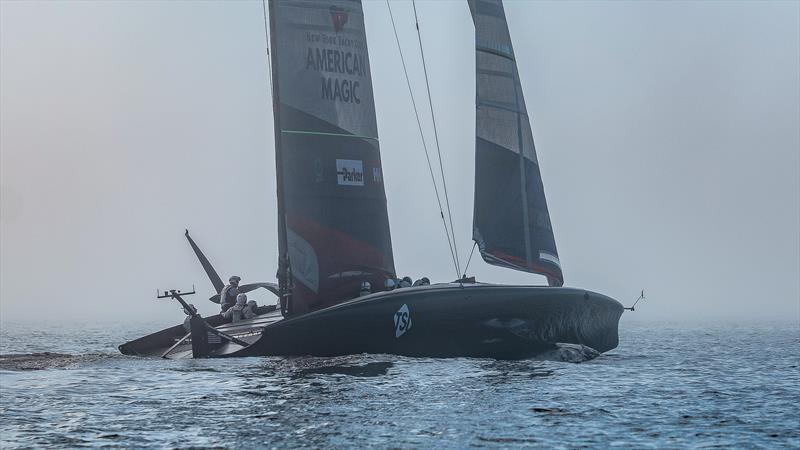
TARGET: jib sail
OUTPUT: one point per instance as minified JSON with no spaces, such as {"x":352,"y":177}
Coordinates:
{"x":333,"y":222}
{"x":511,"y":223}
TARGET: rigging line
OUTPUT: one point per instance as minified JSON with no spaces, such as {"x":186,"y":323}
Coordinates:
{"x":422,"y":137}
{"x":436,"y":135}
{"x":266,"y":36}
{"x":474,"y":244}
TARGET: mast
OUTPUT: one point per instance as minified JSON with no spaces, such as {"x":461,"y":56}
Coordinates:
{"x":284,"y":279}
{"x":523,"y":190}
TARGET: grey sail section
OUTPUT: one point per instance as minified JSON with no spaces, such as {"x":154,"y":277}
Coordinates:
{"x":511,"y":222}
{"x":333,"y":221}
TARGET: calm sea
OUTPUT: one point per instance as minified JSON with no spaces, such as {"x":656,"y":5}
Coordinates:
{"x":665,"y":386}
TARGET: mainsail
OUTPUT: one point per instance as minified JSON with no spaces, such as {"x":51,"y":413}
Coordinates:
{"x":333,"y":221}
{"x":511,"y":223}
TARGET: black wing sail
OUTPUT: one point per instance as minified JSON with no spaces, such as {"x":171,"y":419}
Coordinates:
{"x":511,"y":221}
{"x":333,"y":220}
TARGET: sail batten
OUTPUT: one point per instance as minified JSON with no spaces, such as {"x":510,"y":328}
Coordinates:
{"x":511,"y":221}
{"x":332,"y":202}
{"x":319,"y":133}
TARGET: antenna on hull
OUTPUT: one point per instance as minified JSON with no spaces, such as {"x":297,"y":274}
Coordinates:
{"x":641,"y":297}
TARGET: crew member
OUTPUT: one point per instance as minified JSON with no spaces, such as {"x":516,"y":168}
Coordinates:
{"x":424,"y":281}
{"x":405,"y":282}
{"x":236,"y":312}
{"x":187,"y":321}
{"x":390,"y":284}
{"x":227,"y":298}
{"x":366,"y":289}
{"x":250,"y":310}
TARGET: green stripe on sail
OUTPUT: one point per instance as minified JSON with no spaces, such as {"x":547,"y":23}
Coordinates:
{"x":319,"y":133}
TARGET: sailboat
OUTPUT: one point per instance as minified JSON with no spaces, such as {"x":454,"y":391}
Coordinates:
{"x":334,"y":232}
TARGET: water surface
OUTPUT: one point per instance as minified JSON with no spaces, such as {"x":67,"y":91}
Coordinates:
{"x":665,"y":386}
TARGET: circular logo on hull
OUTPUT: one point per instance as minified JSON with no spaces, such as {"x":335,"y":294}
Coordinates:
{"x":402,"y":321}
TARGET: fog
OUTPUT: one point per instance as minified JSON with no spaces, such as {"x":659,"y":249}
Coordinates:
{"x":668,"y":135}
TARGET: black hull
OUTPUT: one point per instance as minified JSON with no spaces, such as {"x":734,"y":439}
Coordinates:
{"x":446,"y":320}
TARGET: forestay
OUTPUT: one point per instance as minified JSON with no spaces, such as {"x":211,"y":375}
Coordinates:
{"x":333,"y":221}
{"x":511,"y":222}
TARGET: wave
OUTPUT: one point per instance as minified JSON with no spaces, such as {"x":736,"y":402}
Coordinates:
{"x":45,"y":360}
{"x":574,"y":353}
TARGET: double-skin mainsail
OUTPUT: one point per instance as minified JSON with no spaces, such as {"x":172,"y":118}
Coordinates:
{"x":332,"y":217}
{"x":511,"y":222}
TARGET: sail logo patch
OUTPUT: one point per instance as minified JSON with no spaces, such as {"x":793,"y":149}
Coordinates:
{"x":338,"y":18}
{"x":402,"y":321}
{"x":549,"y":257}
{"x":349,"y":172}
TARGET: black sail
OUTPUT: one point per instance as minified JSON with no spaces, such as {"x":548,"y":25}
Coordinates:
{"x":511,"y":223}
{"x":333,"y":221}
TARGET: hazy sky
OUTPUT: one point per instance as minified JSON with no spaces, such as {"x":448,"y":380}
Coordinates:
{"x":668,"y":135}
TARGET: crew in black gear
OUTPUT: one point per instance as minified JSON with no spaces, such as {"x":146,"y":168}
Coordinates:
{"x":227,"y":298}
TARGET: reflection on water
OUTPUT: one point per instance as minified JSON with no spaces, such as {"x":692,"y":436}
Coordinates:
{"x":665,"y":386}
